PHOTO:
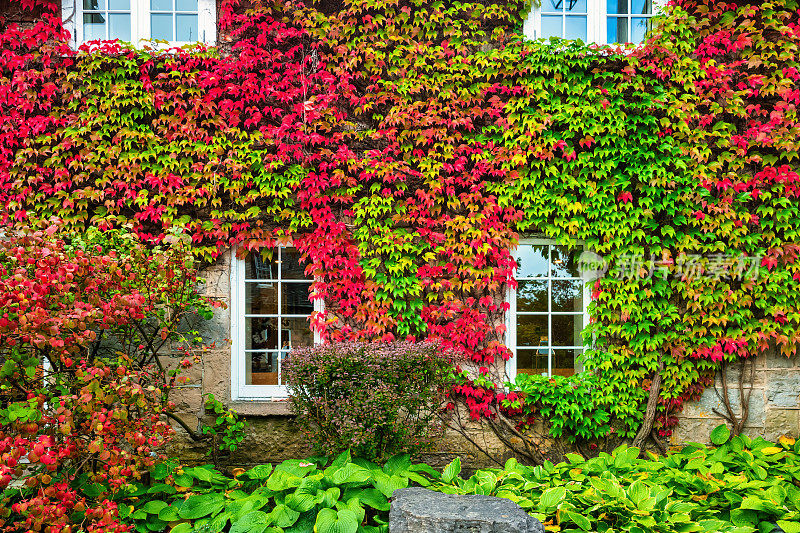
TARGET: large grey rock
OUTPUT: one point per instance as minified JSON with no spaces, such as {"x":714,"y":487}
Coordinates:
{"x":418,"y":510}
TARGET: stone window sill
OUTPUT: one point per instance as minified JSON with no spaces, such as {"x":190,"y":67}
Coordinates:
{"x":261,"y":408}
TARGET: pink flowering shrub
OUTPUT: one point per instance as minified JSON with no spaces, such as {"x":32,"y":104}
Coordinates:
{"x":377,"y":399}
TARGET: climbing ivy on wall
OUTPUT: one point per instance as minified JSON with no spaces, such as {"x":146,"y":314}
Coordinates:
{"x":404,"y":146}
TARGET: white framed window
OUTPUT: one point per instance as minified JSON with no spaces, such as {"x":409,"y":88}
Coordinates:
{"x":177,"y":22}
{"x":548,"y":310}
{"x":593,"y":21}
{"x":270,"y":310}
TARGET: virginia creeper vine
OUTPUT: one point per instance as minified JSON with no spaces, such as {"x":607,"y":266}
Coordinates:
{"x":404,"y":146}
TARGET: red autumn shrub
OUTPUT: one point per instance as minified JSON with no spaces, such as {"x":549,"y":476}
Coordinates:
{"x":90,"y":342}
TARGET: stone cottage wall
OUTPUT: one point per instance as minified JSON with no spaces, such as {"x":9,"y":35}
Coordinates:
{"x":273,"y":436}
{"x":774,"y":407}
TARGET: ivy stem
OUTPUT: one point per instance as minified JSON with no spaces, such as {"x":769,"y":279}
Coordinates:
{"x":652,"y":407}
{"x":192,"y":434}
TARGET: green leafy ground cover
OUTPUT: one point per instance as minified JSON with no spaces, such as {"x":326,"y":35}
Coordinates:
{"x":740,"y":485}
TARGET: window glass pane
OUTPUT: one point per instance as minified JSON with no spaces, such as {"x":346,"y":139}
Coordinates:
{"x":552,"y":6}
{"x":119,"y":5}
{"x":261,"y":368}
{"x":551,"y":26}
{"x":567,"y":330}
{"x":290,"y":257}
{"x":564,"y":262}
{"x":186,"y":5}
{"x":261,"y":298}
{"x":93,"y":5}
{"x":532,"y":261}
{"x":295,"y":300}
{"x":551,"y":286}
{"x":564,"y":361}
{"x":261,"y":333}
{"x":642,"y":7}
{"x":296,"y":332}
{"x":186,"y":28}
{"x":617,"y":7}
{"x":160,"y":5}
{"x":617,"y":30}
{"x":119,"y":26}
{"x":532,"y":361}
{"x":575,"y":28}
{"x":575,"y":6}
{"x":259,"y":268}
{"x":532,"y":330}
{"x":532,"y":296}
{"x":567,"y":296}
{"x":161,"y":27}
{"x":283,"y":356}
{"x":639,"y":27}
{"x":94,"y":26}
{"x":269,"y":340}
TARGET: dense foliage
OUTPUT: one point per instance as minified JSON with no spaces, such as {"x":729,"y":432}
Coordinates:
{"x":91,"y":347}
{"x":320,"y":495}
{"x":405,"y":146}
{"x":741,"y":486}
{"x":573,"y":406}
{"x":376,"y":399}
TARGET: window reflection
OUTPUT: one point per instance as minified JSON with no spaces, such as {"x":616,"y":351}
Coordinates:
{"x":641,"y":7}
{"x":617,"y":7}
{"x":575,"y":28}
{"x":103,"y":20}
{"x":549,"y":309}
{"x":623,"y":26}
{"x":174,"y":20}
{"x":277,"y":309}
{"x":564,"y":18}
{"x":567,"y":296}
{"x":532,"y":261}
{"x":532,"y":296}
{"x":558,"y":6}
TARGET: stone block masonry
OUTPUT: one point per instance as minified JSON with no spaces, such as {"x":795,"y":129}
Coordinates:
{"x":273,"y":436}
{"x":774,"y":407}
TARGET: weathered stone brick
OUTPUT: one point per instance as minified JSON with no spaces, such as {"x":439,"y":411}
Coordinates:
{"x":704,"y":407}
{"x":783,"y":389}
{"x":782,"y":422}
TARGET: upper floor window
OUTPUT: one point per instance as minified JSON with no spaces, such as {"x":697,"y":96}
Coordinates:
{"x":109,"y":19}
{"x":548,"y":310}
{"x":270,"y":313}
{"x":593,"y":21}
{"x":628,"y":21}
{"x":174,"y":21}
